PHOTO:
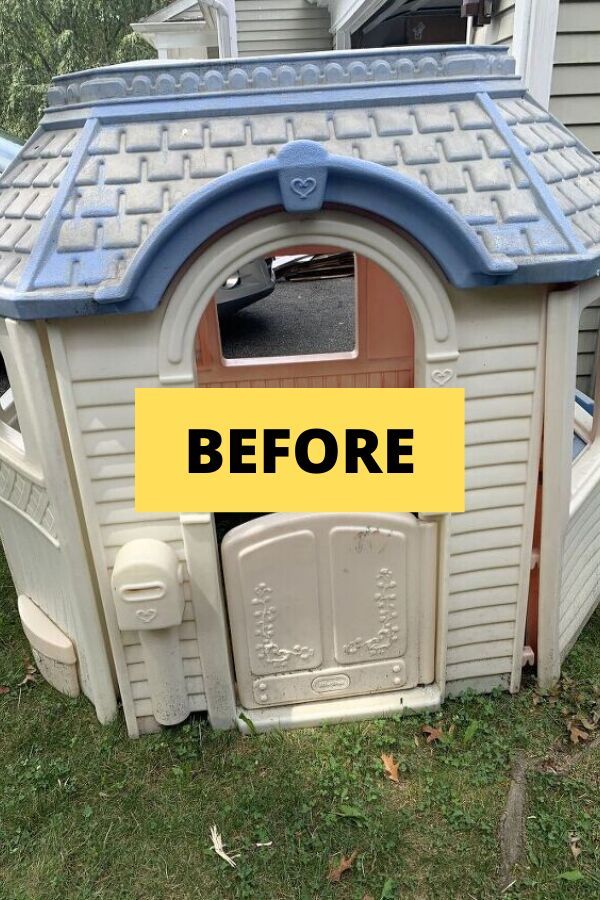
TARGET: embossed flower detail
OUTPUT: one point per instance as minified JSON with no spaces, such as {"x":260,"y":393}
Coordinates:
{"x":267,"y":648}
{"x":389,"y":632}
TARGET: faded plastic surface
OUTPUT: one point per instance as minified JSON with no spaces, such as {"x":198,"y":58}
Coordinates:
{"x":442,"y":142}
{"x":43,"y":634}
{"x":40,"y":527}
{"x":53,"y":651}
{"x":148,"y":592}
{"x":330,"y":606}
{"x":147,"y":586}
{"x":132,"y":168}
{"x":489,"y":343}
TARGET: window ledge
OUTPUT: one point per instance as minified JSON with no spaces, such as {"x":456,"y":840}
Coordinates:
{"x":15,"y":457}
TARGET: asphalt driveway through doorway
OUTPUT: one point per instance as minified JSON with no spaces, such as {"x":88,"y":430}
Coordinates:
{"x":299,"y":317}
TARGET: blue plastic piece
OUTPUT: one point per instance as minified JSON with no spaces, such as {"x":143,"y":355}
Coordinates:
{"x":579,"y":446}
{"x":258,"y":188}
{"x":134,"y":168}
{"x":584,"y":402}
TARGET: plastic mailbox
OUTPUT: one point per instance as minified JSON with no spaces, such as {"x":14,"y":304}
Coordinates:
{"x":147,"y":585}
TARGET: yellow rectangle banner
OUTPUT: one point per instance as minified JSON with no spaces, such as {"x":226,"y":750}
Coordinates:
{"x":299,"y":449}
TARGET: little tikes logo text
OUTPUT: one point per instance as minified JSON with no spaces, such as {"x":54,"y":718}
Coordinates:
{"x":299,"y":449}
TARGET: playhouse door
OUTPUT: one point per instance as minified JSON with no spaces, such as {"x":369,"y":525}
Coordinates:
{"x":330,"y":605}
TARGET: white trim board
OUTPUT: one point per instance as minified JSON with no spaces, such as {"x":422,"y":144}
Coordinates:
{"x":534,"y":40}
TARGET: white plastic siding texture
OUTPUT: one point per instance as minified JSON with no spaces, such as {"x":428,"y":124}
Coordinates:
{"x":587,"y":348}
{"x":23,"y":541}
{"x":31,"y":528}
{"x":580,"y":587}
{"x":490,"y":543}
{"x":501,"y":28}
{"x":287,"y":26}
{"x":576,"y":75}
{"x":104,"y":370}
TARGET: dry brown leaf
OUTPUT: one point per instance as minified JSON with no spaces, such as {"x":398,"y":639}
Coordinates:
{"x":4,"y":689}
{"x":433,"y":734}
{"x":30,"y":673}
{"x":589,"y":726}
{"x":576,"y":734}
{"x":391,"y":767}
{"x":574,"y":845}
{"x":368,"y":897}
{"x":346,"y":863}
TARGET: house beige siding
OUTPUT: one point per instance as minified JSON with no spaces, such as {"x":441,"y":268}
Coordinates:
{"x":285,"y":26}
{"x":501,"y":28}
{"x":575,"y":90}
{"x":575,"y":87}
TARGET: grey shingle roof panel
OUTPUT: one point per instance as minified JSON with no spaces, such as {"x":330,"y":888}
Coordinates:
{"x":126,"y":154}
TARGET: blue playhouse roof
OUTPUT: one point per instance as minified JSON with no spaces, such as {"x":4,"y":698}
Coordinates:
{"x":134,"y":166}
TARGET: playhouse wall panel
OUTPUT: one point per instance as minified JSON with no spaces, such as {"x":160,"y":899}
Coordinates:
{"x":580,"y":586}
{"x":100,"y":419}
{"x":491,"y":541}
{"x":40,"y":523}
{"x":44,"y":581}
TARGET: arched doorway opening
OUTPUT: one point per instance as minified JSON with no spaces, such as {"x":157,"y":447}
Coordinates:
{"x":328,"y":318}
{"x":321,"y":607}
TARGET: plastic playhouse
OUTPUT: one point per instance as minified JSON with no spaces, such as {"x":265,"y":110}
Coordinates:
{"x":474,"y":220}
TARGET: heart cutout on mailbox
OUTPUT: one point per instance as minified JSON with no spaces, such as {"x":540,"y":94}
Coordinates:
{"x":442,"y":376}
{"x":146,"y":615}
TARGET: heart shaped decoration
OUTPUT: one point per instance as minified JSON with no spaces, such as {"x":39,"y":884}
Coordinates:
{"x":442,"y":376}
{"x":303,"y":186}
{"x":146,"y":615}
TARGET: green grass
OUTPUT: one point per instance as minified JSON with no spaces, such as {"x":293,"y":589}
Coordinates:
{"x":85,"y":812}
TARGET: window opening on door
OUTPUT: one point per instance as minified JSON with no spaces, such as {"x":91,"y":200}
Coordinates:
{"x":585,"y":426}
{"x":300,"y":302}
{"x":306,"y":316}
